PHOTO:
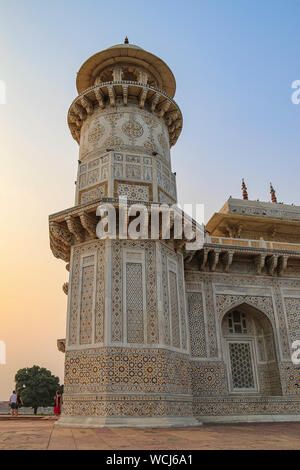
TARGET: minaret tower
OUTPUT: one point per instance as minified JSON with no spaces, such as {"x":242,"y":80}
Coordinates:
{"x":125,"y":121}
{"x":126,"y":347}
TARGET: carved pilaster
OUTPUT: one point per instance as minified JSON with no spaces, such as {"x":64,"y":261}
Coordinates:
{"x":260,"y":263}
{"x":271,"y":263}
{"x":282,"y":264}
{"x":227,"y":258}
{"x":213,"y":259}
{"x":203,"y":259}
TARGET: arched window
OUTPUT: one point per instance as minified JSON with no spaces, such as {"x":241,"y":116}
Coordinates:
{"x":249,"y":352}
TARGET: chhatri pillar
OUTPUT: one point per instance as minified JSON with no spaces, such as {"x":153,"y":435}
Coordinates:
{"x":126,"y":346}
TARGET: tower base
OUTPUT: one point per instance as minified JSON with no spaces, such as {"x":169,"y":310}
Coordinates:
{"x":126,"y":421}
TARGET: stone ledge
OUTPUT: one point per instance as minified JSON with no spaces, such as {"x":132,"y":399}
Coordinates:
{"x":248,"y":419}
{"x":126,"y":421}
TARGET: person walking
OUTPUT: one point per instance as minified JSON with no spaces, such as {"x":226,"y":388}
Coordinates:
{"x":19,"y":403}
{"x":13,"y":403}
{"x":57,"y":404}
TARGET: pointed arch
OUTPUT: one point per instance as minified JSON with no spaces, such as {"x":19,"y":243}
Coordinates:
{"x":250,"y":349}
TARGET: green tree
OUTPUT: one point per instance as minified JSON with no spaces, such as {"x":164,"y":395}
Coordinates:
{"x":37,"y":386}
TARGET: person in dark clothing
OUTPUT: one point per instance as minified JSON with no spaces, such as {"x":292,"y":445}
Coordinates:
{"x":19,"y":403}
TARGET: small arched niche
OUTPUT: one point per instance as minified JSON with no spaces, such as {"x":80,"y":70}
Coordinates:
{"x":249,"y":351}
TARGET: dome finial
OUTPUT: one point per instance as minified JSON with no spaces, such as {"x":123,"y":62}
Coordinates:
{"x":273,"y":194}
{"x":126,"y":40}
{"x":244,"y":189}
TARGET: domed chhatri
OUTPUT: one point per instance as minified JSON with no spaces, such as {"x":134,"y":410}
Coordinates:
{"x":124,"y":107}
{"x":156,"y":71}
{"x":121,"y":76}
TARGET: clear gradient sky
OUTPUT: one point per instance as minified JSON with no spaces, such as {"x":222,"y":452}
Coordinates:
{"x":234,"y":62}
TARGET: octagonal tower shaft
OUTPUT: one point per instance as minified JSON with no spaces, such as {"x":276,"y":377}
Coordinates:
{"x":125,"y":123}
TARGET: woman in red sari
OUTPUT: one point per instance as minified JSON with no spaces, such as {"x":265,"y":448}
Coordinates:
{"x":57,"y":404}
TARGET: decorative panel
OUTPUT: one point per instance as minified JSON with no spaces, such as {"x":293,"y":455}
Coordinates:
{"x":174,"y":309}
{"x":241,"y":366}
{"x":117,"y":289}
{"x":92,"y":194}
{"x":87,"y":300}
{"x":292,"y":306}
{"x":196,"y":322}
{"x":135,"y":192}
{"x":82,"y":294}
{"x":134,"y":303}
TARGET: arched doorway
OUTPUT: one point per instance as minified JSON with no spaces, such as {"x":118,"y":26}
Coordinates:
{"x":250,"y":352}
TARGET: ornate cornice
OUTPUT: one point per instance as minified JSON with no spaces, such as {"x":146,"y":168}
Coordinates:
{"x":105,"y":95}
{"x":78,"y":224}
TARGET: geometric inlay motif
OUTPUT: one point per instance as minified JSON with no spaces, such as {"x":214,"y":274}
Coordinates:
{"x":149,"y":145}
{"x":292,"y":306}
{"x":93,"y":177}
{"x":174,"y":309}
{"x":197,"y":326}
{"x":208,"y":378}
{"x":117,"y":283}
{"x":241,"y":366}
{"x":211,"y":320}
{"x":121,"y":369}
{"x":132,"y":129}
{"x":134,"y":301}
{"x":150,"y":121}
{"x":151,"y":295}
{"x":166,"y":313}
{"x":133,"y":191}
{"x":86,"y":305}
{"x":82,"y":297}
{"x":226,"y":301}
{"x":92,"y":194}
{"x":164,"y":199}
{"x":182,"y":304}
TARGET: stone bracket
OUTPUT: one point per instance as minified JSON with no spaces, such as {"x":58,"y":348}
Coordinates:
{"x":75,"y":228}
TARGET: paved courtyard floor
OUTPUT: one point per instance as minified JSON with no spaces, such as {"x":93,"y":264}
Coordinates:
{"x":40,"y":433}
